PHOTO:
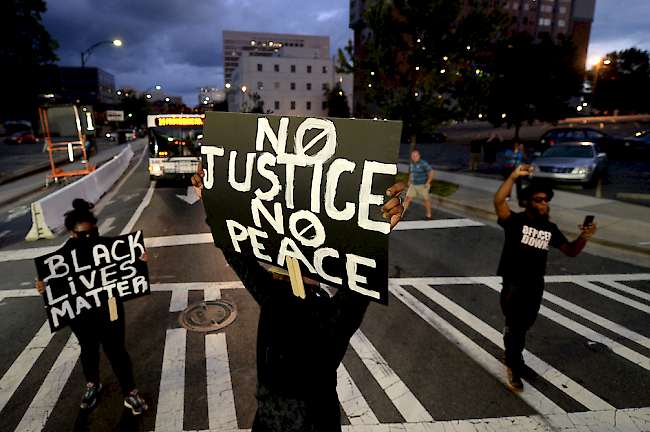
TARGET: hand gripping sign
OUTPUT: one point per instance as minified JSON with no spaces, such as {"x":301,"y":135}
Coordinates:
{"x":84,"y":276}
{"x":306,"y":188}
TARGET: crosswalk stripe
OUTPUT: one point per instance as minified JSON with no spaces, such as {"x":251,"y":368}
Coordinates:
{"x":590,"y":334}
{"x":406,"y":403}
{"x":221,"y":400}
{"x":538,"y":401}
{"x":550,"y":374}
{"x":43,"y":403}
{"x":171,"y":402}
{"x":614,"y":296}
{"x":627,"y":289}
{"x":438,"y":223}
{"x":354,"y":404}
{"x":23,"y":364}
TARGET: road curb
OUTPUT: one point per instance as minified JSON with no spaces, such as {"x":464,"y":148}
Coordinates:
{"x":493,"y":217}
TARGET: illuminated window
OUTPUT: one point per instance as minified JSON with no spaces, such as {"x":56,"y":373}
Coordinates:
{"x":293,"y":105}
{"x":293,"y":86}
{"x":561,"y":23}
{"x":276,"y":86}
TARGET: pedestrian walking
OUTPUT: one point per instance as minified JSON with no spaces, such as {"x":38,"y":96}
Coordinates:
{"x":475,"y":150}
{"x":95,"y":328}
{"x":490,"y":148}
{"x":419,"y":182}
{"x":529,"y":235}
{"x":300,"y":342}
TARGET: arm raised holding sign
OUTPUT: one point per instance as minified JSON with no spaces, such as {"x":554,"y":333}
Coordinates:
{"x":301,"y":341}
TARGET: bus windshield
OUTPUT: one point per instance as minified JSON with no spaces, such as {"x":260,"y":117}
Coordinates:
{"x":173,"y":141}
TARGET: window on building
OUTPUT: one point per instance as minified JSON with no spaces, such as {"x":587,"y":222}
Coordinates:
{"x":547,"y":8}
{"x":526,"y":6}
{"x":276,"y":68}
{"x":293,"y":86}
{"x":293,"y":68}
{"x":259,"y":67}
{"x":562,"y":9}
{"x":260,"y":85}
{"x":561,"y":23}
{"x":308,"y":86}
{"x":293,"y":105}
{"x":324,"y":69}
{"x":545,"y":22}
{"x":515,"y":6}
{"x":325,"y":86}
{"x":324,"y":105}
{"x":276,"y":86}
{"x":308,"y":69}
{"x":308,"y":105}
{"x":277,"y":105}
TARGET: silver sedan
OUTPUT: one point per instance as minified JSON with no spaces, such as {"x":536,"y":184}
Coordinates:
{"x":571,"y":162}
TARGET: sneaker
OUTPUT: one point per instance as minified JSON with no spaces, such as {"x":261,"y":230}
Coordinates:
{"x":528,"y":373}
{"x":514,"y":380}
{"x":135,"y":402}
{"x":90,"y":398}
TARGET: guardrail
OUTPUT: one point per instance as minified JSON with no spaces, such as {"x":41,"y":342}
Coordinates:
{"x":47,"y":213}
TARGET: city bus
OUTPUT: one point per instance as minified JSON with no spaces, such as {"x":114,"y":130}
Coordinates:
{"x":174,"y":144}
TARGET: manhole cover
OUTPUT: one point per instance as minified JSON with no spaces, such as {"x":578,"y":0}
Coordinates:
{"x":208,"y":316}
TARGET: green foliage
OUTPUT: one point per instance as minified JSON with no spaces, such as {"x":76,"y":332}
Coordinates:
{"x":337,"y":102}
{"x":138,"y":108}
{"x":532,"y":81}
{"x":25,"y":49}
{"x":254,"y":104}
{"x":411,"y":66}
{"x":624,"y":83}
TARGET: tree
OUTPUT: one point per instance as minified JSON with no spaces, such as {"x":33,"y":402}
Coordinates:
{"x":254,"y":104}
{"x":624,"y":82}
{"x":417,"y":52}
{"x":337,"y":102}
{"x":135,"y":110}
{"x":25,"y":49}
{"x":532,"y":80}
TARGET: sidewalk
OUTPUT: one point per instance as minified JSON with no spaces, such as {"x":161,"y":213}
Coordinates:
{"x":620,"y":225}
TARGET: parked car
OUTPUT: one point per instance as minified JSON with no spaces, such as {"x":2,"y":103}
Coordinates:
{"x":122,"y":135}
{"x":561,"y":135}
{"x":21,"y":137}
{"x":571,"y":162}
{"x":637,"y":145}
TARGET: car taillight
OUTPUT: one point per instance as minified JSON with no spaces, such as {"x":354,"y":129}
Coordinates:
{"x":551,"y":142}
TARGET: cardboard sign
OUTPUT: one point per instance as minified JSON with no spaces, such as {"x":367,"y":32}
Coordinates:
{"x":84,"y":274}
{"x":307,"y":188}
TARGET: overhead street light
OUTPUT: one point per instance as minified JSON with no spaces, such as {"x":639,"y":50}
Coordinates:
{"x":89,"y":51}
{"x":596,"y":62}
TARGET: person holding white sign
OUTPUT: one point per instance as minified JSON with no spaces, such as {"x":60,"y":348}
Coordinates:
{"x":98,"y":328}
{"x":301,"y":341}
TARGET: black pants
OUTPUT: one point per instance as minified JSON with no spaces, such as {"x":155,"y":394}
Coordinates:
{"x":520,"y":304}
{"x":92,"y":333}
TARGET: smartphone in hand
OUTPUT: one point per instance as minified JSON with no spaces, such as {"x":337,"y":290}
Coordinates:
{"x":588,"y":220}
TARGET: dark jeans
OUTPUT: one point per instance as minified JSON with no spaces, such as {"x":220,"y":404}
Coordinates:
{"x":520,"y":304}
{"x":110,"y":335}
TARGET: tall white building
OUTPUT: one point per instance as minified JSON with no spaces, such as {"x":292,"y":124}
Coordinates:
{"x":292,"y":81}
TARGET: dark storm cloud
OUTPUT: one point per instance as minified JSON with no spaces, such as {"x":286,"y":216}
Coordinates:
{"x":177,"y":44}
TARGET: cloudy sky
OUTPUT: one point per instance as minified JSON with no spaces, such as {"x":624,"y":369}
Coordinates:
{"x":177,"y":43}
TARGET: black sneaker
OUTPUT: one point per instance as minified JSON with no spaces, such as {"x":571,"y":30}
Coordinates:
{"x":135,"y":403}
{"x":528,"y":373}
{"x":90,"y":398}
{"x":514,"y":380}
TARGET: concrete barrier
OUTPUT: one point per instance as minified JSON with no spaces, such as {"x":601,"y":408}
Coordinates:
{"x":47,"y":213}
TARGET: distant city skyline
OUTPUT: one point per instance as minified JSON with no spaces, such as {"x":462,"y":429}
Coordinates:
{"x":180,"y":48}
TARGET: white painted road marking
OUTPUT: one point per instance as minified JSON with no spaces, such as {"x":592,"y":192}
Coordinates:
{"x":438,"y":223}
{"x":171,"y":400}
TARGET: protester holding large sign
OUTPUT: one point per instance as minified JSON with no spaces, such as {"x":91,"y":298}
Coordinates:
{"x":84,"y":284}
{"x":301,"y":342}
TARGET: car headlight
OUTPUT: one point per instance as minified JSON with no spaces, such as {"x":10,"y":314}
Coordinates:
{"x":583,"y":170}
{"x":534,"y":167}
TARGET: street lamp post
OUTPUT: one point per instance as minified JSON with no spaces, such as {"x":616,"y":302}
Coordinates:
{"x":89,"y":51}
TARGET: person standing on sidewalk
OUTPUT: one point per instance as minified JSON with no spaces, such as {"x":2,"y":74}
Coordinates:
{"x":475,"y":150}
{"x":419,"y":182}
{"x":490,"y":148}
{"x":523,"y":265}
{"x":95,"y":329}
{"x":515,"y":156}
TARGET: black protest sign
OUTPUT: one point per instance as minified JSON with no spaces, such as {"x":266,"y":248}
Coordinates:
{"x":84,"y":273}
{"x":308,"y":188}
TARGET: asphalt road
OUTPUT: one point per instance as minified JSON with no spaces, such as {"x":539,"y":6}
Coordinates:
{"x":432,"y":354}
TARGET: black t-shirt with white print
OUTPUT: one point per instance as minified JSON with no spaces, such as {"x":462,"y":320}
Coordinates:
{"x":526,"y":246}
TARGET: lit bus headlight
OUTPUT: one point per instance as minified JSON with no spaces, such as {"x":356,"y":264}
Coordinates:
{"x":156,"y":169}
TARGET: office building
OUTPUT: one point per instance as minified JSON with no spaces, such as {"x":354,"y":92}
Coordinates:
{"x":211,"y":95}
